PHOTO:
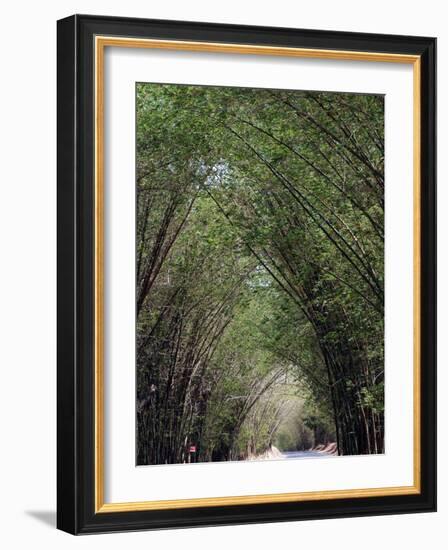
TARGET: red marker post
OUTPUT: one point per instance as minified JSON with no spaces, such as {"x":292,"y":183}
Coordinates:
{"x":191,"y":450}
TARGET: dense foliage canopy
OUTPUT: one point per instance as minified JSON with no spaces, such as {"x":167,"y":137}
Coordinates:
{"x":260,"y":291}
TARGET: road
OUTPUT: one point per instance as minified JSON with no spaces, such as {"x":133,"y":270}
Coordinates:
{"x":304,"y":454}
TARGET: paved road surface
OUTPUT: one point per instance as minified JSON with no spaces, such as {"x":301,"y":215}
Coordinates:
{"x":304,"y":454}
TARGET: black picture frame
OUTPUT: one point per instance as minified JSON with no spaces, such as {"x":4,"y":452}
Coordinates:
{"x":76,"y":269}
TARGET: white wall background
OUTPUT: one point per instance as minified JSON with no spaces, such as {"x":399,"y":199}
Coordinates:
{"x":28,"y":267}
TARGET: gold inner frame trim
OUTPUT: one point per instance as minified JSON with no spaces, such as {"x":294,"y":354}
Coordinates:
{"x":101,"y":42}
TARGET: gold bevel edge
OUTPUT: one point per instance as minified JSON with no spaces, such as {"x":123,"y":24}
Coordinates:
{"x":255,"y":499}
{"x":100,"y":43}
{"x":417,"y":271}
{"x":99,"y":278}
{"x":222,"y":47}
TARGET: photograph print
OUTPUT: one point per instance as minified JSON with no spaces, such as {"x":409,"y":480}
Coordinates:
{"x":259,"y":274}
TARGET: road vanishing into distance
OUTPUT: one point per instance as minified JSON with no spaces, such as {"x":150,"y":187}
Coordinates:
{"x":305,"y":454}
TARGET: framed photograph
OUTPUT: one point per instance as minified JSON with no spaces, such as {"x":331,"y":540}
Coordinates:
{"x":246,"y":274}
